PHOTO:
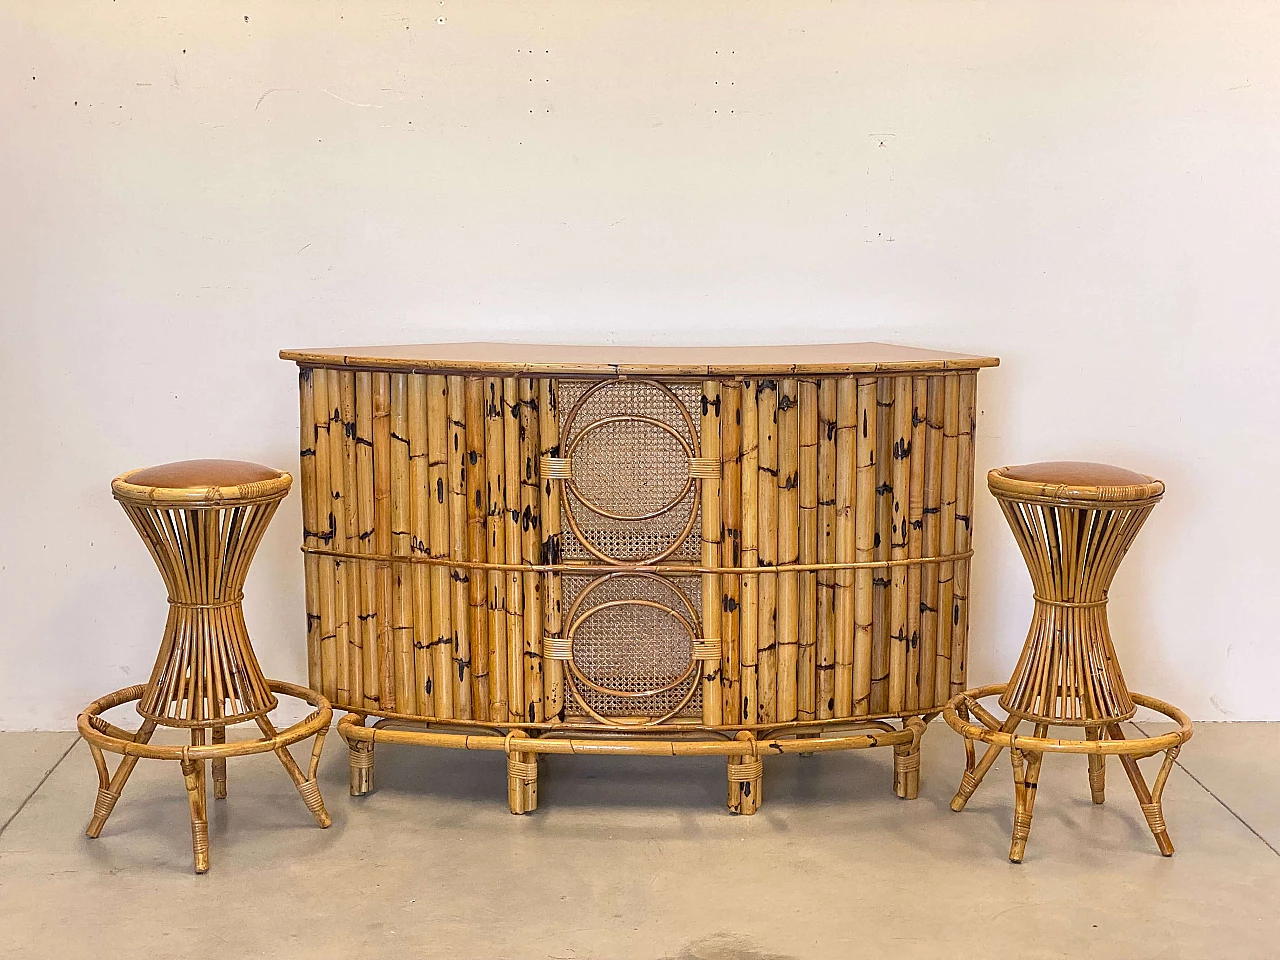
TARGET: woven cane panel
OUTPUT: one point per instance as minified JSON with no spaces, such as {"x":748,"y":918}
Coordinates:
{"x":634,"y":647}
{"x":630,"y":468}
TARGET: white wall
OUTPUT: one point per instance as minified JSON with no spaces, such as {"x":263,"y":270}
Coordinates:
{"x":1087,"y":190}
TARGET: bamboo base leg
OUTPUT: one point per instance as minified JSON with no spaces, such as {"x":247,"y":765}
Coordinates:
{"x":1097,"y":767}
{"x":522,"y":776}
{"x":1149,"y":799}
{"x":361,"y":763}
{"x":193,"y":776}
{"x":973,"y":775}
{"x":1026,"y":775}
{"x":109,"y":789}
{"x":307,"y":786}
{"x":746,"y":779}
{"x":219,"y":766}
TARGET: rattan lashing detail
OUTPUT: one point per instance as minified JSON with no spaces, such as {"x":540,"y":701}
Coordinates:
{"x":746,"y":771}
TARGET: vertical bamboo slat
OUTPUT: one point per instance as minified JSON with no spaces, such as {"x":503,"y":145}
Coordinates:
{"x":826,"y":640}
{"x":864,"y":542}
{"x":310,"y":522}
{"x":419,"y":530}
{"x":788,"y":521}
{"x":750,"y":590}
{"x":767,"y":542}
{"x":407,"y":425}
{"x":459,"y":577}
{"x":879,"y":702}
{"x":900,"y":453}
{"x":444,"y":686}
{"x":382,"y":537}
{"x":365,"y":541}
{"x":731,"y":548}
{"x":931,"y":539}
{"x":496,"y":547}
{"x":327,"y":529}
{"x":549,"y":509}
{"x":531,"y":535}
{"x":476,"y":546}
{"x":963,"y":527}
{"x":709,"y":433}
{"x":947,"y":535}
{"x":342,"y":481}
{"x":807,"y":479}
{"x":515,"y":582}
{"x":846,"y":462}
{"x":915,"y":538}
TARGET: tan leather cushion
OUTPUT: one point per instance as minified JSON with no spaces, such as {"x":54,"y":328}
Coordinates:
{"x":1073,"y":473}
{"x":203,"y":474}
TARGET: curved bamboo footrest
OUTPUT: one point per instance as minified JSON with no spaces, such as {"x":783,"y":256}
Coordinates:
{"x":1026,"y":754}
{"x":103,"y":736}
{"x":743,"y":749}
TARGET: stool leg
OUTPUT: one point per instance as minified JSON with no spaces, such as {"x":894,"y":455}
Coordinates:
{"x":1097,"y":767}
{"x":1026,"y":776}
{"x":109,"y":790}
{"x":1149,"y":800}
{"x":219,"y":765}
{"x":970,"y":779}
{"x":307,"y":786}
{"x":193,"y":776}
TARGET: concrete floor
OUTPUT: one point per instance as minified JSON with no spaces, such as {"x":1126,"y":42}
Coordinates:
{"x":638,"y":858}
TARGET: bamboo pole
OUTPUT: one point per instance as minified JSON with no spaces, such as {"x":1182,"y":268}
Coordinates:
{"x":476,"y":547}
{"x":826,"y":640}
{"x":846,"y":462}
{"x":750,"y":532}
{"x":496,"y":546}
{"x":731,"y":550}
{"x":947,"y":532}
{"x":382,"y":539}
{"x":709,"y":434}
{"x":342,"y":474}
{"x":963,"y":534}
{"x":788,"y":526}
{"x":417,"y":439}
{"x":900,"y":453}
{"x":444,"y":686}
{"x":931,"y":541}
{"x":531,"y":529}
{"x":407,"y":429}
{"x":549,"y":510}
{"x":879,"y":702}
{"x":515,"y":581}
{"x":864,"y":542}
{"x":327,"y":525}
{"x":459,"y":583}
{"x":807,"y":478}
{"x":915,"y":537}
{"x":310,"y":523}
{"x":767,"y":542}
{"x":365,"y":540}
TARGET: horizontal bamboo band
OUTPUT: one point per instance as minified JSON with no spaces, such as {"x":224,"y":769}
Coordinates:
{"x":520,"y":770}
{"x":667,"y":568}
{"x":1070,"y":603}
{"x":746,"y":770}
{"x":554,"y":468}
{"x":234,"y":601}
{"x":707,"y":648}
{"x":704,"y":468}
{"x":557,"y":648}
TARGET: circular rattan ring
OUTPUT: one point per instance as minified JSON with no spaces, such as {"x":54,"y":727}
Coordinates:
{"x":1145,"y":746}
{"x":111,"y":738}
{"x":590,"y":428}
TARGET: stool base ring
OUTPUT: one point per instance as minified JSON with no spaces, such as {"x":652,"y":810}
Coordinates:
{"x":104,"y":737}
{"x":1103,"y":739}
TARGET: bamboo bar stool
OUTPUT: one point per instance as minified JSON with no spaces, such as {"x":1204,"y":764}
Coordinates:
{"x":1073,"y":522}
{"x":202,"y":520}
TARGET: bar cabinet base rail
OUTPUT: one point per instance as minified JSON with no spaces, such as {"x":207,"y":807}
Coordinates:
{"x":737,"y":552}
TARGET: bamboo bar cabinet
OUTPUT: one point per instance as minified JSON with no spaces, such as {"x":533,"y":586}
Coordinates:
{"x":736,"y":552}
